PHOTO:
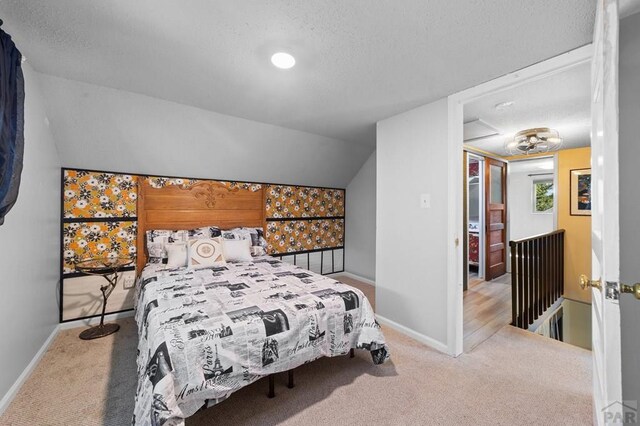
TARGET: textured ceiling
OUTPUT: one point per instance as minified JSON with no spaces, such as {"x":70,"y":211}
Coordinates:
{"x":561,"y":102}
{"x":358,"y":61}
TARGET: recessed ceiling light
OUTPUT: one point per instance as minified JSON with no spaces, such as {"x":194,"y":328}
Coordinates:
{"x":504,"y":105}
{"x":283,"y":60}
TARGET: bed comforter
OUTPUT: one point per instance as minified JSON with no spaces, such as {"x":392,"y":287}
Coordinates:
{"x":204,"y":334}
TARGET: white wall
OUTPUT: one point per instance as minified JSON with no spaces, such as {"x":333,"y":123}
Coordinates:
{"x":523,"y":222}
{"x":29,"y":246}
{"x":411,"y":252}
{"x":360,"y":239}
{"x":106,"y":129}
{"x":629,"y":205}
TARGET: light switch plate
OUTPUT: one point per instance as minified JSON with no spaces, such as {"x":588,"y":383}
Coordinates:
{"x":425,"y":201}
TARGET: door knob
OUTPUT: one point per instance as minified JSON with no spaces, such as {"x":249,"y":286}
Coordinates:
{"x":635,"y":289}
{"x":586,"y":282}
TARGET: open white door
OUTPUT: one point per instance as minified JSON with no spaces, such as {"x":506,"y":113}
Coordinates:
{"x":607,"y":388}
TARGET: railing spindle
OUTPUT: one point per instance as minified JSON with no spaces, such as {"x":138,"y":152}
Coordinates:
{"x":531,"y":285}
{"x":514,"y":292}
{"x":554,"y":267}
{"x":520,"y":286}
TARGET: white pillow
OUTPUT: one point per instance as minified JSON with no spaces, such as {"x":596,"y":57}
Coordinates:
{"x":157,"y":239}
{"x":237,"y":250}
{"x":205,"y":253}
{"x":177,"y":255}
{"x":256,"y":235}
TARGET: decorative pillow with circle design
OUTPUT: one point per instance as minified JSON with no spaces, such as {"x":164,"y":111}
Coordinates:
{"x":206,"y":253}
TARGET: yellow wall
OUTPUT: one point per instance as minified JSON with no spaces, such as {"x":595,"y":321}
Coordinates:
{"x":577,"y":252}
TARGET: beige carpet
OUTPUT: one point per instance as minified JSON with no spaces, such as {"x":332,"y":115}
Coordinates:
{"x":512,"y":378}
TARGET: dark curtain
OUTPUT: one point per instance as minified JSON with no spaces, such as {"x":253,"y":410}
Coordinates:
{"x":11,"y":123}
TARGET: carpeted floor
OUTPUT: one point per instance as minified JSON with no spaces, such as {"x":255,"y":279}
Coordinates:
{"x":512,"y":378}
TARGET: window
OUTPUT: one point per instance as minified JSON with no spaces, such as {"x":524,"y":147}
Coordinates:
{"x":543,"y":196}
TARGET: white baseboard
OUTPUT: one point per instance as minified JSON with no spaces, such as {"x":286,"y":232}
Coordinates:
{"x":94,"y":321}
{"x":13,"y":390}
{"x":432,"y":343}
{"x":355,"y":277}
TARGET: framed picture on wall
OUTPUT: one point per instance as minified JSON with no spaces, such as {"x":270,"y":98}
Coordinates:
{"x":580,"y":195}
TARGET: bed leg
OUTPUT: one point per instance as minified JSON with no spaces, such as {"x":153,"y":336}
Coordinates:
{"x":272,"y":392}
{"x":290,"y":385}
{"x":352,"y":353}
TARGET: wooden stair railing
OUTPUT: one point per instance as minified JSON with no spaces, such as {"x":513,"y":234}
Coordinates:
{"x":537,"y":275}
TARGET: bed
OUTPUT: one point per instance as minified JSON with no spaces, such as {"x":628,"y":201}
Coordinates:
{"x":205,"y":333}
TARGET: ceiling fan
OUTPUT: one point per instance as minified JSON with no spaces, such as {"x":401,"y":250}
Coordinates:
{"x":534,"y":141}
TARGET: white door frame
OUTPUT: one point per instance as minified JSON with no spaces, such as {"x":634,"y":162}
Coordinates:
{"x":455,"y":139}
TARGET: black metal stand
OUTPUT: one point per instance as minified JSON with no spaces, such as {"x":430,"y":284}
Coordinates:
{"x":102,"y":329}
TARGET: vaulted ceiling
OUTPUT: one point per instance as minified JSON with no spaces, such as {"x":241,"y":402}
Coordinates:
{"x":358,"y":61}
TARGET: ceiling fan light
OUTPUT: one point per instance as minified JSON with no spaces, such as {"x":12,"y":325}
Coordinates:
{"x":534,"y":141}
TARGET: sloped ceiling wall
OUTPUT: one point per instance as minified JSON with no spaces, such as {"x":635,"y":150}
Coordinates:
{"x":358,"y":61}
{"x":106,"y":129}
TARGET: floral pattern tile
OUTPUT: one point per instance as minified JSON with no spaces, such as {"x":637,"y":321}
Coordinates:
{"x":299,"y":202}
{"x":94,"y":195}
{"x":161,"y":182}
{"x":299,"y":235}
{"x":82,"y":240}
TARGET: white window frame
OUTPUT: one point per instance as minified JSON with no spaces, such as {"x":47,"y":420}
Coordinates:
{"x":534,"y":182}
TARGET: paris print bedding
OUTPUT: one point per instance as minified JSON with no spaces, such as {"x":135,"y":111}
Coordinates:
{"x":206,"y":333}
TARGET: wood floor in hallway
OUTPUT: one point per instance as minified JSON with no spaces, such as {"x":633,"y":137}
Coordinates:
{"x":487,"y":308}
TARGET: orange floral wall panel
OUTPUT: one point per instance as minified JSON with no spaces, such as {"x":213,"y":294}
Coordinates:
{"x":95,"y":195}
{"x":301,"y":235}
{"x":82,"y":240}
{"x":299,"y":202}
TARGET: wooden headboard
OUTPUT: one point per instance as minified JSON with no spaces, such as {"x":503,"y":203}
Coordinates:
{"x":206,"y":203}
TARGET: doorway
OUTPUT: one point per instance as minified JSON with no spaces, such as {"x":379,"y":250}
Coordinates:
{"x":497,"y":220}
{"x":486,"y":289}
{"x":485,"y":217}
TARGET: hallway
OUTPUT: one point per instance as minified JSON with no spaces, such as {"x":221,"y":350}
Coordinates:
{"x":487,"y":308}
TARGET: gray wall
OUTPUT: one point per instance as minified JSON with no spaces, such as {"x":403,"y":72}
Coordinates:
{"x":360,"y":239}
{"x":411,"y":242}
{"x":29,"y":246}
{"x":629,"y":202}
{"x":106,"y":129}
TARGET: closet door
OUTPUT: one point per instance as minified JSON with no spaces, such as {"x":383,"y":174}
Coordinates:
{"x":495,"y":218}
